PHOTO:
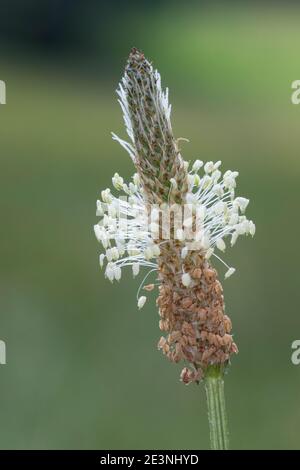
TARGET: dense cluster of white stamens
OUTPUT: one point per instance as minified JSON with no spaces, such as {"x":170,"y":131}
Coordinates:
{"x":127,"y":236}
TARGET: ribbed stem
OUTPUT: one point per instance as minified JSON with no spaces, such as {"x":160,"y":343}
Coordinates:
{"x":214,"y":387}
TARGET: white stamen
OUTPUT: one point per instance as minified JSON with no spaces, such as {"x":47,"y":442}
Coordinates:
{"x":135,"y":269}
{"x":186,"y":279}
{"x":141,"y":301}
{"x":221,"y":244}
{"x":229,"y":272}
{"x":197,"y":165}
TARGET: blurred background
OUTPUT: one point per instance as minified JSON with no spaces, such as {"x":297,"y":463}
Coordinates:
{"x":82,"y":367}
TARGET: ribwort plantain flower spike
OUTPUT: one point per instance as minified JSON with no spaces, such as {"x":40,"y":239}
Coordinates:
{"x":133,"y":232}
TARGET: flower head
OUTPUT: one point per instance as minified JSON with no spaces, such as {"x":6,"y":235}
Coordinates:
{"x":171,"y":220}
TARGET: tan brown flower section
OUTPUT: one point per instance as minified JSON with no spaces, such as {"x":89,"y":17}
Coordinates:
{"x":198,"y":330}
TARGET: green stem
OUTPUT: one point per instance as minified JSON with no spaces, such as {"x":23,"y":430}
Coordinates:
{"x":218,"y":427}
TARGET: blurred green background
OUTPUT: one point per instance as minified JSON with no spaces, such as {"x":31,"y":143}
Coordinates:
{"x":82,"y":366}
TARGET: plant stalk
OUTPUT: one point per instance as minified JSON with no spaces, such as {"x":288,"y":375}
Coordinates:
{"x":218,"y":426}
